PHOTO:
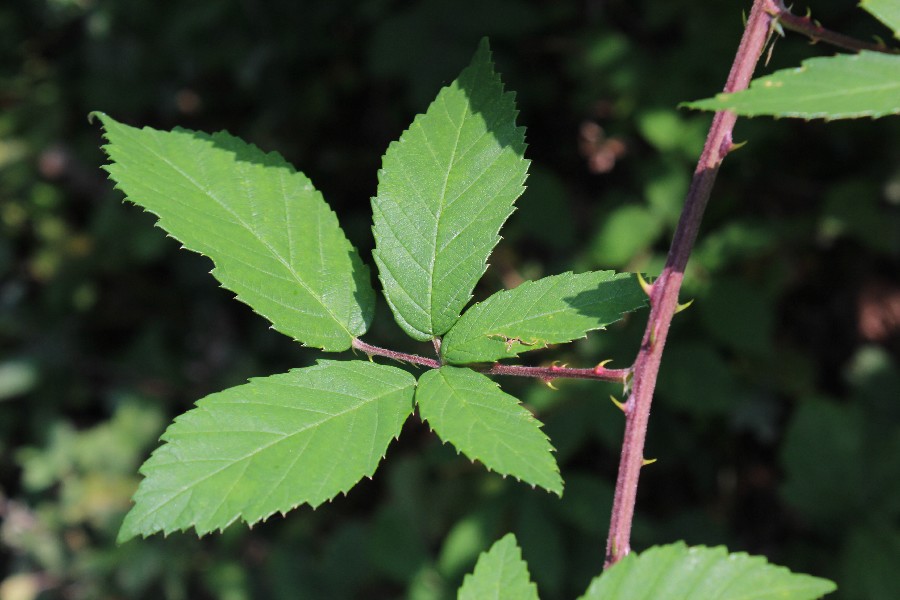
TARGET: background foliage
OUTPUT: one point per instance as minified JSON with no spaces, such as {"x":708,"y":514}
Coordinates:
{"x":777,"y":424}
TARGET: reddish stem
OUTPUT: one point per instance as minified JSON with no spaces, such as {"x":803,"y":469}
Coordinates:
{"x":664,"y":291}
{"x":600,"y":372}
{"x":815,"y":32}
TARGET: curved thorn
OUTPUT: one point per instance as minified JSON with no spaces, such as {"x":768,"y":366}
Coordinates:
{"x":682,"y":307}
{"x":601,"y":366}
{"x":647,"y":461}
{"x":647,"y":287}
{"x":619,"y":405}
{"x":737,"y":146}
{"x":549,"y":384}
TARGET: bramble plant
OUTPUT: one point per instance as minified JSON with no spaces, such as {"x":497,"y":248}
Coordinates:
{"x":445,"y":189}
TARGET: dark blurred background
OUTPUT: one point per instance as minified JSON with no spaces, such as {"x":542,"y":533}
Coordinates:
{"x":777,"y":421}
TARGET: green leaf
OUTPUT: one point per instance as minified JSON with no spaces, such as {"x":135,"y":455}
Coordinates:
{"x":552,"y":310}
{"x":847,"y":86}
{"x":500,"y":574}
{"x":470,"y":411}
{"x":679,"y":572}
{"x":444,"y":190}
{"x":269,"y":445}
{"x":886,"y":11}
{"x":272,"y":237}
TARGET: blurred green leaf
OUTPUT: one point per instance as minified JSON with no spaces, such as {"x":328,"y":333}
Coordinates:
{"x":623,"y":233}
{"x":500,"y":574}
{"x":869,"y":564}
{"x":738,"y":315}
{"x":823,"y":457}
{"x":669,"y":131}
{"x":544,"y":212}
{"x":694,"y":378}
{"x":17,"y":377}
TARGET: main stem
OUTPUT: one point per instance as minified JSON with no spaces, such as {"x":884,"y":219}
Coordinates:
{"x":664,"y":291}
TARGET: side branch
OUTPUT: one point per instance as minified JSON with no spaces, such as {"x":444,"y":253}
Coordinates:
{"x":815,"y":32}
{"x":599,"y":373}
{"x":664,"y":291}
{"x":401,"y":356}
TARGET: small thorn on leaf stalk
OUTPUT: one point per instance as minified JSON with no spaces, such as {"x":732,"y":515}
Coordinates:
{"x":647,"y":461}
{"x":681,"y":307}
{"x":549,"y":384}
{"x":602,"y":366}
{"x":647,"y":287}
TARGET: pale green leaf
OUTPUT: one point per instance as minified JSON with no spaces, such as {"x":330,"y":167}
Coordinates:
{"x":846,"y":86}
{"x":679,"y":572}
{"x":886,"y":11}
{"x":444,"y":190}
{"x":470,"y":411}
{"x":270,"y":445}
{"x":500,"y":574}
{"x":273,"y":239}
{"x":553,"y":310}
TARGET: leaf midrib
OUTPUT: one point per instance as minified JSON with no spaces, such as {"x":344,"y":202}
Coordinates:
{"x":441,"y":207}
{"x":255,"y":451}
{"x":254,"y":233}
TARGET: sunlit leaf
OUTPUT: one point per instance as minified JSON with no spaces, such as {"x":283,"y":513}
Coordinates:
{"x":444,"y":190}
{"x":500,"y":574}
{"x":272,"y":237}
{"x":679,"y":572}
{"x":470,"y":411}
{"x":886,"y":11}
{"x":270,"y":445}
{"x":552,"y":310}
{"x":847,"y":86}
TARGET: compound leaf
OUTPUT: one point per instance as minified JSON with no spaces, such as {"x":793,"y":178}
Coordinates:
{"x":274,"y":241}
{"x":444,"y":190}
{"x":846,"y":86}
{"x":886,"y":11}
{"x":500,"y":574}
{"x":269,"y":445}
{"x":679,"y":572}
{"x":470,"y":411}
{"x":553,"y":310}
